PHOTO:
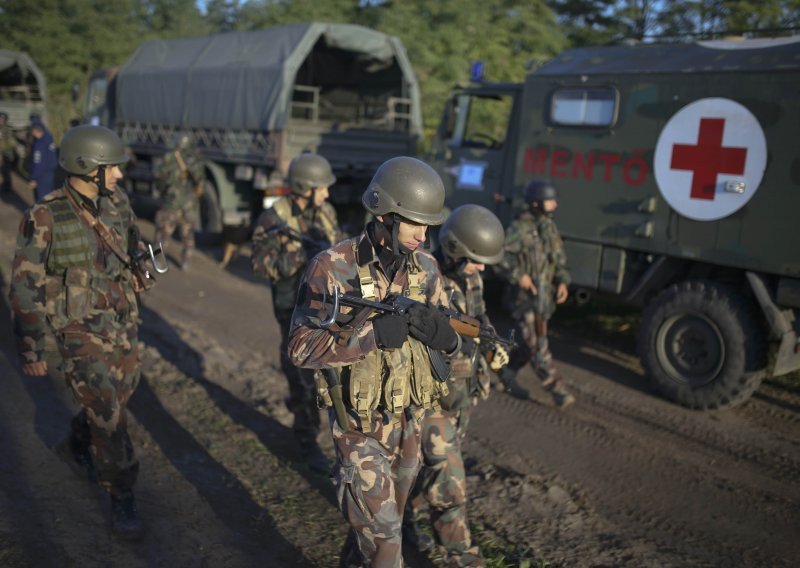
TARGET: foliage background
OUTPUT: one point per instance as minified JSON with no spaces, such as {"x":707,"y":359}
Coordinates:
{"x":70,"y":38}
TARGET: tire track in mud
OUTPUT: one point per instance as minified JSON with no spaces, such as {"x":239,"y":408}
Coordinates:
{"x":618,"y":454}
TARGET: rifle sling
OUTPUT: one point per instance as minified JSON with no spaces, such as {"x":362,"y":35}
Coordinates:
{"x":100,"y":228}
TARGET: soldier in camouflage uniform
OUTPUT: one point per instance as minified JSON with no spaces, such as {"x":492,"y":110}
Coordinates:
{"x":7,"y":147}
{"x":382,"y":360}
{"x":535,"y":265}
{"x":281,"y":254}
{"x":68,"y":281}
{"x":471,"y":238}
{"x":181,"y":176}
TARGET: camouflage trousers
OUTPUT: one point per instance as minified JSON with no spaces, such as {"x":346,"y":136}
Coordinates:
{"x":168,"y":219}
{"x":373,"y":477}
{"x":102,"y":372}
{"x":302,"y":401}
{"x":442,"y":484}
{"x":535,"y":350}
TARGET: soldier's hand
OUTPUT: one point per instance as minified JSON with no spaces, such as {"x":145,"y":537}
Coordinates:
{"x":35,"y":369}
{"x":500,"y":358}
{"x":391,"y":331}
{"x":562,"y":293}
{"x":431,"y":327}
{"x":526,"y":283}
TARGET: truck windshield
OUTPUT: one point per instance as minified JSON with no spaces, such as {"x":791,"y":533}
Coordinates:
{"x":479,"y":121}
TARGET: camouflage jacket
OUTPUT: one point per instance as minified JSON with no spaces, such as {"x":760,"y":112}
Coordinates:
{"x":282,"y":258}
{"x":65,"y":278}
{"x":372,"y":378}
{"x":178,"y":185}
{"x":533,"y":246}
{"x":469,"y":369}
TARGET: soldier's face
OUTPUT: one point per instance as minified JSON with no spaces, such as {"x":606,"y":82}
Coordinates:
{"x":319,"y":195}
{"x":113,"y":176}
{"x":410,"y":234}
{"x":471,"y":267}
{"x":549,"y":205}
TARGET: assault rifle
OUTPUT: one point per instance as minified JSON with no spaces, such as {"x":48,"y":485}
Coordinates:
{"x":462,"y":324}
{"x":144,"y":279}
{"x":310,"y":244}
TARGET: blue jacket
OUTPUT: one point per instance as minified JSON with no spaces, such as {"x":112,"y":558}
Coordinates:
{"x":43,"y":164}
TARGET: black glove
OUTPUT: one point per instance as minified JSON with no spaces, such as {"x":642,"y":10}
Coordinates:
{"x":431,"y":327}
{"x":467,"y":346}
{"x":390,"y":330}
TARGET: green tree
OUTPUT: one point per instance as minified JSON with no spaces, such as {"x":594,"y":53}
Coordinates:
{"x":586,"y":22}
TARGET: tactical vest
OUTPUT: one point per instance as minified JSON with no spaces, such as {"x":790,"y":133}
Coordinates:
{"x":73,"y":283}
{"x":283,"y":208}
{"x":393,"y":378}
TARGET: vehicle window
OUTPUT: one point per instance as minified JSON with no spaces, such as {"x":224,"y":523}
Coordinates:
{"x":96,"y":97}
{"x":584,"y":106}
{"x":479,"y":121}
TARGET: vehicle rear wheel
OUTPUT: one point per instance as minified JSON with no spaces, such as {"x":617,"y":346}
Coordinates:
{"x":703,"y":345}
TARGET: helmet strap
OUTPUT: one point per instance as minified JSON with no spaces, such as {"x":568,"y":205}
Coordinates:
{"x":99,"y":180}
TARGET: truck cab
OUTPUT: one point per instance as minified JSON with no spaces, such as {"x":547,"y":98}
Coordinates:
{"x":676,"y":167}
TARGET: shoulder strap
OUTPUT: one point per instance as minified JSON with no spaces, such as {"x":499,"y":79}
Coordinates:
{"x":366,"y":283}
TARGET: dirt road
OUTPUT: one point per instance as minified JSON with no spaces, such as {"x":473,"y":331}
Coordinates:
{"x":623,"y":478}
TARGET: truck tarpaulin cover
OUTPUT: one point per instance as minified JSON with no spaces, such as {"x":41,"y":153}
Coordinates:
{"x":17,"y":68}
{"x":244,"y":80}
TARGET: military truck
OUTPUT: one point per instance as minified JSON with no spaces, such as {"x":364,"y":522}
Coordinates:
{"x":23,"y":89}
{"x":677,"y":167}
{"x":253,"y":100}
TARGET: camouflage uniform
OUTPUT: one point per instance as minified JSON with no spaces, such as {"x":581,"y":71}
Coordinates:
{"x":386,"y":391}
{"x":181,"y":198}
{"x":534,"y":247}
{"x":442,"y":480}
{"x":282,"y":260}
{"x":66,"y":281}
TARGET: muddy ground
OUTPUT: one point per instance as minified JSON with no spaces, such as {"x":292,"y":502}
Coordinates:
{"x":622,"y":478}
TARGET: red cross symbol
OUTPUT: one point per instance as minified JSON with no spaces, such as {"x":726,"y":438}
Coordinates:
{"x":708,"y":158}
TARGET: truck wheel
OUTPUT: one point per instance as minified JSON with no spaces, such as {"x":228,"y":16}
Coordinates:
{"x":210,"y":227}
{"x":702,"y":345}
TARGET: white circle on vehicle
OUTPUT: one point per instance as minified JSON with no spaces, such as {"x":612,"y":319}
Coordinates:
{"x":710,"y":159}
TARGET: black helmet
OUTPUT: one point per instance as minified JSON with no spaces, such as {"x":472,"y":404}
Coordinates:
{"x":309,"y":171}
{"x":473,"y":232}
{"x":85,"y":148}
{"x":408,"y":187}
{"x":540,"y":190}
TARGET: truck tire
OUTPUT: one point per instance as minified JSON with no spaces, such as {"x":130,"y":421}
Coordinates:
{"x":210,"y":227}
{"x":702,"y":345}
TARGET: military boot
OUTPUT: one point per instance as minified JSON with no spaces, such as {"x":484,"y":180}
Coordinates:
{"x":77,"y":457}
{"x":125,"y":522}
{"x":510,"y":385}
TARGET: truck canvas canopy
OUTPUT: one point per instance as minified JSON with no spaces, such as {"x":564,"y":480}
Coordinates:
{"x":249,"y":80}
{"x":23,"y":88}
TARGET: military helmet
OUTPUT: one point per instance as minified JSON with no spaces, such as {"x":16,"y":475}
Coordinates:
{"x":473,"y":232}
{"x":4,"y":115}
{"x":540,"y":190}
{"x":408,"y":187}
{"x":309,"y":171}
{"x":182,"y":140}
{"x":86,"y":147}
